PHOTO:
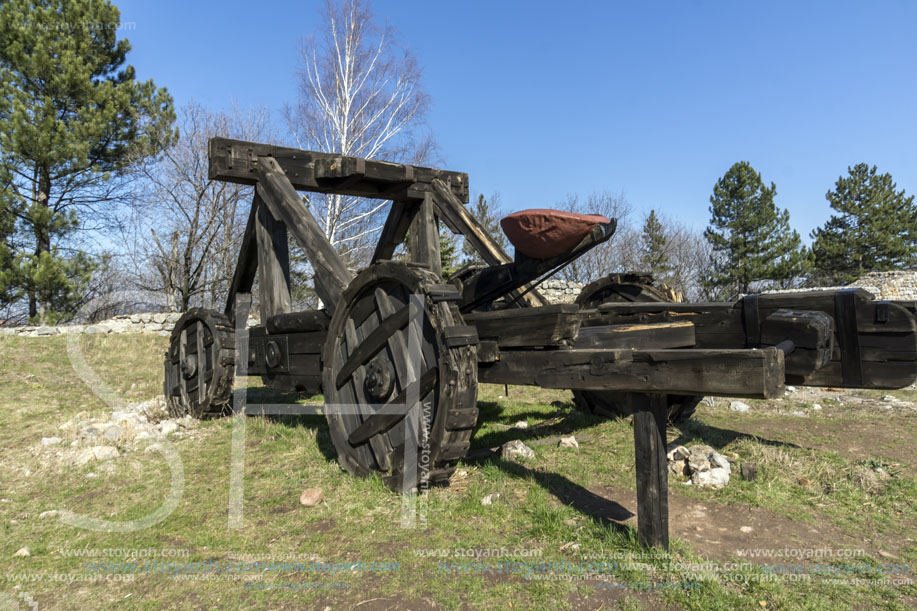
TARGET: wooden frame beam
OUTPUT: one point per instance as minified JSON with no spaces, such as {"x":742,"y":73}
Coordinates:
{"x":331,"y":275}
{"x":237,"y":161}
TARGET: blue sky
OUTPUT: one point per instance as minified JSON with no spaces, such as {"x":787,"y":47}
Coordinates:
{"x":538,"y":100}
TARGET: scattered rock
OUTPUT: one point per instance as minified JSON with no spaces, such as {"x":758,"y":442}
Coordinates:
{"x":515,"y":449}
{"x":816,"y":406}
{"x":890,"y":398}
{"x":886,"y":407}
{"x":23,"y":552}
{"x":749,"y":471}
{"x":568,"y":442}
{"x":490,"y":498}
{"x":739,"y":406}
{"x":797,"y":413}
{"x":708,"y":401}
{"x":46,"y":331}
{"x":51,"y":513}
{"x":94,"y":329}
{"x":92,"y":475}
{"x":703,"y":464}
{"x":311,"y":497}
{"x":112,"y":434}
{"x":50,"y":441}
{"x":791,"y":389}
{"x":802,"y":481}
{"x":167,"y":427}
{"x":100,"y":453}
{"x":746,"y":529}
{"x":522,"y":424}
{"x":153,"y":447}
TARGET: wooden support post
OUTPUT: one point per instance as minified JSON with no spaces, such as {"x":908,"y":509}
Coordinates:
{"x":652,"y":476}
{"x":424,"y":242}
{"x":246,"y":266}
{"x":273,"y":263}
{"x":331,"y":275}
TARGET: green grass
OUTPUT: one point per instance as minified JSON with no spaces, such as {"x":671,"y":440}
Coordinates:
{"x":540,"y":510}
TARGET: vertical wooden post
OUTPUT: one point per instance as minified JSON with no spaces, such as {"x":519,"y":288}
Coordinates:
{"x":424,"y":242}
{"x":273,"y":263}
{"x":650,"y":413}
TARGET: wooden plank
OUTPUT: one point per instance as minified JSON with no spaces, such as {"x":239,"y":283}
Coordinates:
{"x":552,"y":325}
{"x":237,"y":160}
{"x":424,"y":238}
{"x":657,"y":335}
{"x":652,"y":476}
{"x":879,"y":375}
{"x":273,"y":263}
{"x":243,"y":277}
{"x":740,"y":372}
{"x":396,"y":227}
{"x":331,"y":275}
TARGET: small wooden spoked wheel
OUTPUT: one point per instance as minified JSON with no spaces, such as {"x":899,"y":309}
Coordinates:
{"x":200,"y":365}
{"x":400,"y":377}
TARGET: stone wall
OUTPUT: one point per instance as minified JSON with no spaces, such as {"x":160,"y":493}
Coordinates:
{"x":160,"y":323}
{"x":560,"y":291}
{"x":894,"y":286}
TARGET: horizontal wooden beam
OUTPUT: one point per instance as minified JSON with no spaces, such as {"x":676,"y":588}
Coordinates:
{"x":237,"y":160}
{"x":739,"y":373}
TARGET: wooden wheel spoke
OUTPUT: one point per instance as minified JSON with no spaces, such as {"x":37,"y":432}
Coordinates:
{"x":395,"y":410}
{"x":372,"y":344}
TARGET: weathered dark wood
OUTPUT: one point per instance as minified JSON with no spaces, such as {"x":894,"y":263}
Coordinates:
{"x":243,"y":278}
{"x":372,"y":344}
{"x":740,"y":372}
{"x":658,"y":335}
{"x":652,"y":475}
{"x":237,"y":161}
{"x":331,"y":275}
{"x":552,"y":325}
{"x":299,"y":322}
{"x":812,"y":336}
{"x":395,"y":410}
{"x":273,"y":263}
{"x":395,"y":229}
{"x":424,"y":238}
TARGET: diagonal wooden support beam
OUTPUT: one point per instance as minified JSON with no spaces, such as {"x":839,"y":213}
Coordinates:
{"x":273,"y":263}
{"x":275,"y":189}
{"x":399,"y":219}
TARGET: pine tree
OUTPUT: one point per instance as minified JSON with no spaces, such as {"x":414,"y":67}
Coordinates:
{"x":654,"y":251}
{"x":72,"y":119}
{"x":751,"y":238}
{"x":876,"y":229}
{"x":448,"y":246}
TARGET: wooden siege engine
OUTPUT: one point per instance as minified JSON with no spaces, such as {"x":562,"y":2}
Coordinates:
{"x":398,"y":351}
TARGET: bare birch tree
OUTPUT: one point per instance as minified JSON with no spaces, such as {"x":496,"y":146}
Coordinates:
{"x":360,"y":94}
{"x":187,"y":228}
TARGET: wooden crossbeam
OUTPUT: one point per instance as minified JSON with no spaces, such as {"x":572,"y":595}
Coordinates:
{"x":237,"y":161}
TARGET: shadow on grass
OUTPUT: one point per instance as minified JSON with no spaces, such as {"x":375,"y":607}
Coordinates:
{"x":263,"y":395}
{"x":717,"y":438}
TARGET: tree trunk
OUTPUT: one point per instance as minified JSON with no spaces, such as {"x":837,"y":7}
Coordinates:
{"x":38,"y":300}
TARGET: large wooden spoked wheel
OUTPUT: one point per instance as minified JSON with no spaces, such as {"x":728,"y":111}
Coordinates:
{"x":621,"y":289}
{"x":400,"y":377}
{"x":200,"y":365}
